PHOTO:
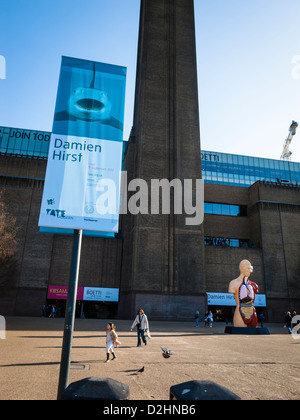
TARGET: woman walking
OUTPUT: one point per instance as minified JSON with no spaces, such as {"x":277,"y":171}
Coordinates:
{"x":141,"y":322}
{"x":111,"y":341}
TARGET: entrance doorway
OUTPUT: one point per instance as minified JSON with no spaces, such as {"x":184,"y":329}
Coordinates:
{"x":60,"y":307}
{"x":84,"y":309}
{"x":100,"y":310}
{"x":222,"y":313}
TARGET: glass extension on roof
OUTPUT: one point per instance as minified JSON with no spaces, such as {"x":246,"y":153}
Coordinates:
{"x":219,"y":168}
{"x":20,"y":142}
{"x":223,"y":168}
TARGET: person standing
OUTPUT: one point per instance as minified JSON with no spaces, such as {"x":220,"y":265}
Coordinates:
{"x":142,"y":324}
{"x":210,"y":319}
{"x":197,"y":318}
{"x":288,"y":322}
{"x":53,"y":312}
{"x":261,"y":320}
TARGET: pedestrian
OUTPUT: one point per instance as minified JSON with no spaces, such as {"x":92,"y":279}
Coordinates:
{"x":111,"y":341}
{"x":44,"y":311}
{"x":197,"y":318}
{"x":288,"y":322}
{"x":142,"y":325}
{"x":261,"y":320}
{"x":210,"y":319}
{"x":53,"y":312}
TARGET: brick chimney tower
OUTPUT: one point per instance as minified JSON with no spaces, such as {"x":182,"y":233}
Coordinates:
{"x":163,"y":257}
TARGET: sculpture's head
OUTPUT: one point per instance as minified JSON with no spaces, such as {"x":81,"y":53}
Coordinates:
{"x":246,"y":268}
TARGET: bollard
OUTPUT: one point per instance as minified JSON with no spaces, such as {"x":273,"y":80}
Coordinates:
{"x":201,"y":390}
{"x":97,"y":389}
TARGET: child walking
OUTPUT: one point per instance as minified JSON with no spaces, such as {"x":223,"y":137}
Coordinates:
{"x":111,"y":341}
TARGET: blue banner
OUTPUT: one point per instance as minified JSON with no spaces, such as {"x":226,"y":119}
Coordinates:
{"x":82,"y":185}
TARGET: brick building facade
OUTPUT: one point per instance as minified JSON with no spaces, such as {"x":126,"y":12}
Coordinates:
{"x":270,"y":230}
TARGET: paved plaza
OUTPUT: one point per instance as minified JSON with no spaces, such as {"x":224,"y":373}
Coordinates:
{"x":253,"y":367}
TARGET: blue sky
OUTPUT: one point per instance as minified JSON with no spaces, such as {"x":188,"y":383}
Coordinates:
{"x":249,"y":86}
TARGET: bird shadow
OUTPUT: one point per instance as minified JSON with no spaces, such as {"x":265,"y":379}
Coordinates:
{"x":131,"y":372}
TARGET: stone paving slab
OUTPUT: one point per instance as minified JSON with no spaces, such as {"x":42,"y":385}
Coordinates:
{"x":253,"y":367}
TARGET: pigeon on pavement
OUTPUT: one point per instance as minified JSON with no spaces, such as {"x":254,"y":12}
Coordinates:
{"x":167,"y":353}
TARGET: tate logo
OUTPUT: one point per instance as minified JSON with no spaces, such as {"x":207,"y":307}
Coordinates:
{"x":56,"y":213}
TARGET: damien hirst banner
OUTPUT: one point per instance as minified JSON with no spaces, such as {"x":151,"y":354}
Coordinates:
{"x":227,"y":299}
{"x":82,"y":184}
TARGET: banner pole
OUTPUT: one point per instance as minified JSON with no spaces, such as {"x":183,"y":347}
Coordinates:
{"x":70,"y":314}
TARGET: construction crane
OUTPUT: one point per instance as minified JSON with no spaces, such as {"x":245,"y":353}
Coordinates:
{"x":286,"y":154}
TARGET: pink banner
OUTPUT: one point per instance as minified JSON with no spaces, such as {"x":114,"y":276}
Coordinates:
{"x":61,"y":292}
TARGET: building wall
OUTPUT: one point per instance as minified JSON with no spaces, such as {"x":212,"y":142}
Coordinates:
{"x":222,"y":266}
{"x":276,"y":210}
{"x":273,"y":224}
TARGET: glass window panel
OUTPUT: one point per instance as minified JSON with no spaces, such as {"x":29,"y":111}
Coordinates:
{"x":256,"y":162}
{"x":235,"y":159}
{"x":271,"y":163}
{"x":18,"y":145}
{"x":276,"y":165}
{"x":31,"y":145}
{"x":225,"y":178}
{"x":283,"y":165}
{"x":24,"y":146}
{"x":251,"y":161}
{"x":225,"y":209}
{"x":295,"y":171}
{"x":4,"y":139}
{"x":269,"y":170}
{"x":45,"y":148}
{"x":234,"y":210}
{"x":208,"y":208}
{"x":11,"y":145}
{"x":217,"y":208}
{"x":37,"y":148}
{"x":220,"y":178}
{"x":245,"y":160}
{"x":229,"y":159}
{"x":224,"y":157}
